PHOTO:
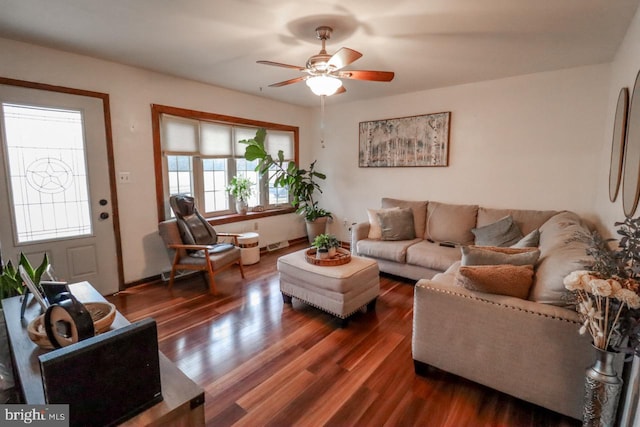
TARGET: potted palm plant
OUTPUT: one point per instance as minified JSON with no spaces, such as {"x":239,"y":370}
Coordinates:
{"x":326,"y":245}
{"x":302,"y":183}
{"x":10,"y":280}
{"x":241,"y":189}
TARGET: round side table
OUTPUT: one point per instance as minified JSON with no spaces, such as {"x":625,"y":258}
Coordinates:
{"x":249,"y":248}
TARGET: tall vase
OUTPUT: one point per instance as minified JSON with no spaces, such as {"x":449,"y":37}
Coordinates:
{"x":601,"y":391}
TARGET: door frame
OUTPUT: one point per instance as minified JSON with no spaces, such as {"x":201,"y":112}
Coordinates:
{"x":106,"y":108}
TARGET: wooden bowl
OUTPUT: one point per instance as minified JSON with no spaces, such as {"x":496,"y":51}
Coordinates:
{"x":102,"y":313}
{"x":342,"y":256}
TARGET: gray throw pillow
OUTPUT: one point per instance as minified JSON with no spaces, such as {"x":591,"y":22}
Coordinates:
{"x":503,"y":232}
{"x":531,"y":240}
{"x":397,"y":224}
{"x":493,"y":255}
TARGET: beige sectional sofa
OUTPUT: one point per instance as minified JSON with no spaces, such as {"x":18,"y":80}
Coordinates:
{"x":526,"y":347}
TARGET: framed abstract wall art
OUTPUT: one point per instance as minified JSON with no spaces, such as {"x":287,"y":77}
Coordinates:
{"x":405,"y":141}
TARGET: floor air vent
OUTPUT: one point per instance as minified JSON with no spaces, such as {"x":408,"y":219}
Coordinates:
{"x":278,"y":245}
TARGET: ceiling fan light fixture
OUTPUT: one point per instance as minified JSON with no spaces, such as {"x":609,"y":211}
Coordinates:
{"x":324,"y":85}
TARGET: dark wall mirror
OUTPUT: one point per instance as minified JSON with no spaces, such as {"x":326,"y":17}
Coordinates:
{"x":631,"y":172}
{"x":617,"y":144}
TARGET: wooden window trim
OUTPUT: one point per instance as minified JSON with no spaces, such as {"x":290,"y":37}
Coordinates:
{"x":157,"y":110}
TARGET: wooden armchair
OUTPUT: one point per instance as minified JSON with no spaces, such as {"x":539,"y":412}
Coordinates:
{"x":205,"y":258}
{"x":193,"y":244}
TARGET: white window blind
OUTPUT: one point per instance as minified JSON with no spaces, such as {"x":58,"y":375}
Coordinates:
{"x":215,"y":140}
{"x":179,"y":135}
{"x":280,"y":140}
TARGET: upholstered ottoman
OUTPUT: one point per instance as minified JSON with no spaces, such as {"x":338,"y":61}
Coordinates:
{"x":340,"y":290}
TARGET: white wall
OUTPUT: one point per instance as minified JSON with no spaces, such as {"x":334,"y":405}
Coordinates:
{"x":624,"y":69}
{"x":530,"y":142}
{"x":132,"y":91}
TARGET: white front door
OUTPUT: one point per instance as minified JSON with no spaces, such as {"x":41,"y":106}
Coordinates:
{"x":55,"y":193}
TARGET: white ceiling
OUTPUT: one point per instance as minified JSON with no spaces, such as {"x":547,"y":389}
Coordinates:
{"x":427,"y":43}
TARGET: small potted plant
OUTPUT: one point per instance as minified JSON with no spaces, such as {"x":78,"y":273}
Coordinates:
{"x":10,"y":280}
{"x":326,"y":246}
{"x":241,"y":189}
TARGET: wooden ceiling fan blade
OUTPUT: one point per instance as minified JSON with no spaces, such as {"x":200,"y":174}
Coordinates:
{"x":343,"y":57}
{"x":278,"y":64}
{"x":340,"y":90}
{"x":377,"y":76}
{"x":288,"y":82}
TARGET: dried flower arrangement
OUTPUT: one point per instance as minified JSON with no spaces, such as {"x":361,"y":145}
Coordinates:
{"x":608,"y":293}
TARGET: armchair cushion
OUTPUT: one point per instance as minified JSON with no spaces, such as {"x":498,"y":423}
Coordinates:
{"x":194,"y":228}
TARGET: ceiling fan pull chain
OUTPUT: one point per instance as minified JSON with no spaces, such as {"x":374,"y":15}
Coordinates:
{"x":322,"y":120}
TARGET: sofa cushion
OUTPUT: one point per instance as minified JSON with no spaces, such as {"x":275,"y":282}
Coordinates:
{"x":527,"y":220}
{"x":450,"y":223}
{"x":493,"y":255}
{"x":419,"y":209}
{"x":375,"y":231}
{"x":397,"y":224}
{"x":432,"y":255}
{"x":531,"y":240}
{"x":503,"y":232}
{"x":389,"y":250}
{"x":560,"y":254}
{"x":510,"y":280}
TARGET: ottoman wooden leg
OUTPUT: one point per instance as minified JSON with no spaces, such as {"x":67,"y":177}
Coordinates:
{"x":343,"y":323}
{"x":372,"y":305}
{"x":286,"y":298}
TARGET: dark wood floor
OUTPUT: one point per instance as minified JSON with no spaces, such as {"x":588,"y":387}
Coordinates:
{"x":264,"y":363}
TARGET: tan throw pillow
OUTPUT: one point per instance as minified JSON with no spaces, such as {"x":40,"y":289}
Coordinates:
{"x":397,"y":224}
{"x":493,"y":255}
{"x":375,"y":232}
{"x":510,"y":280}
{"x":450,"y":223}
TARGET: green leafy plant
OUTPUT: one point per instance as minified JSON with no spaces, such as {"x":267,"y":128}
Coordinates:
{"x":10,"y":280}
{"x":302,"y":183}
{"x":240,"y":187}
{"x":325,"y":241}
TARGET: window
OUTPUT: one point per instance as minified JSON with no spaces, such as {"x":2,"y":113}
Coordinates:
{"x":47,"y":173}
{"x":198,"y":154}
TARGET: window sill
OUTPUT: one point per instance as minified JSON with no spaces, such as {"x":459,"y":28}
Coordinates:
{"x":228,"y":219}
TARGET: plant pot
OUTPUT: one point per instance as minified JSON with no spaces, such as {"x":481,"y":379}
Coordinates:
{"x":318,"y":226}
{"x":332,"y":252}
{"x":241,"y":207}
{"x":322,"y":253}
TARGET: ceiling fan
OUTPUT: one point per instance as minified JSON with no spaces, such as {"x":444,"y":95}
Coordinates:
{"x":324,"y":71}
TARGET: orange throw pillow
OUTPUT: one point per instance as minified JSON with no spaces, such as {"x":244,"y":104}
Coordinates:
{"x":504,"y":279}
